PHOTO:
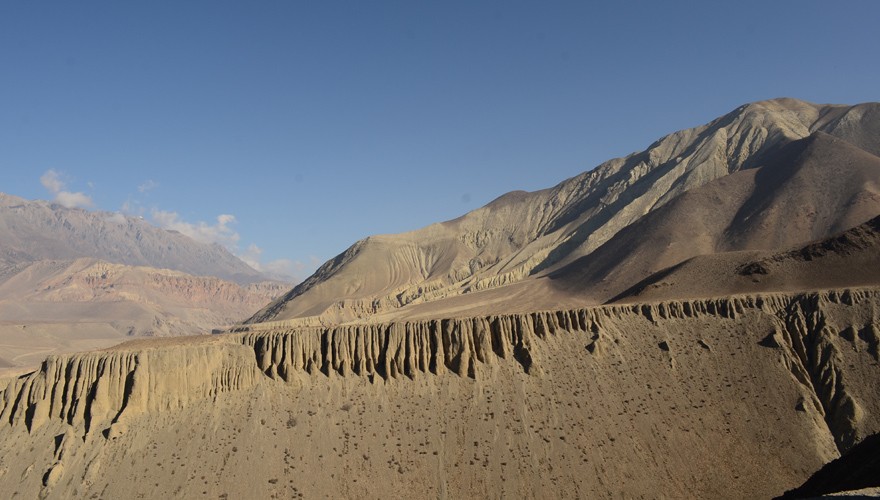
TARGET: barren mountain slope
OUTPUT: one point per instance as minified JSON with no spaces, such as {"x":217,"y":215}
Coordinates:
{"x":671,"y":399}
{"x":856,"y":474}
{"x":693,"y":245}
{"x":849,"y":259}
{"x":61,"y":306}
{"x":810,"y":189}
{"x":528,"y":235}
{"x":38,"y":230}
{"x":741,"y":396}
{"x":73,"y":279}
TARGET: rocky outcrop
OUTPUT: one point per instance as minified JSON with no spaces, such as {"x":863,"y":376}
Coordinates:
{"x":814,"y":358}
{"x":97,"y":390}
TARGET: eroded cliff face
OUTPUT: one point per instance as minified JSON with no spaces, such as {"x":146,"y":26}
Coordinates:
{"x":788,"y":376}
{"x":84,"y":389}
{"x":95,"y":391}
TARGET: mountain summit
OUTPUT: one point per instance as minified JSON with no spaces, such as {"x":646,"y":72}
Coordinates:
{"x":701,"y":319}
{"x":38,"y":230}
{"x":73,"y":279}
{"x":769,"y":175}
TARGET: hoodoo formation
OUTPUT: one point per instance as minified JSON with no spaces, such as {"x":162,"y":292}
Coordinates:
{"x":700,"y":319}
{"x":516,"y":403}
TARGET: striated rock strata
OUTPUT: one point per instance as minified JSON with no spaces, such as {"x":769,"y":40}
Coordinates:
{"x":93,"y":390}
{"x":662,"y":377}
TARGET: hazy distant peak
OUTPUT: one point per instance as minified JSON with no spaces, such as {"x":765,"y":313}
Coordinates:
{"x":7,"y":200}
{"x":39,"y":230}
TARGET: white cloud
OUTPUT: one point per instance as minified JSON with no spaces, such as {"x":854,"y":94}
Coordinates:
{"x":219,"y":233}
{"x":251,"y":256}
{"x":72,"y":200}
{"x":133,"y":208}
{"x":283,"y":269}
{"x":116,"y":218}
{"x":148,"y":186}
{"x":222,"y":233}
{"x":51,"y":180}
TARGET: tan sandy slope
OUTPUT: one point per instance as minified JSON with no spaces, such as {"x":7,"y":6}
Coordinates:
{"x":851,"y":258}
{"x":55,"y":306}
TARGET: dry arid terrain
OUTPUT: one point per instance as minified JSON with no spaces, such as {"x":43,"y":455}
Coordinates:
{"x":767,"y":176}
{"x":697,"y":320}
{"x":73,"y":280}
{"x":39,"y":230}
{"x":742,"y":397}
{"x":52,"y":306}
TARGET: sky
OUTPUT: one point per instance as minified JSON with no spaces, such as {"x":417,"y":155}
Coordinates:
{"x":287,"y":130}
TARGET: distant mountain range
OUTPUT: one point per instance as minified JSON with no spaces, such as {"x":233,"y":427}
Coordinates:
{"x":39,"y":230}
{"x":73,"y":279}
{"x":767,"y":177}
{"x":697,"y":320}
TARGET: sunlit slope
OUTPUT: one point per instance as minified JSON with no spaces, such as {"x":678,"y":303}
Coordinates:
{"x":767,"y":175}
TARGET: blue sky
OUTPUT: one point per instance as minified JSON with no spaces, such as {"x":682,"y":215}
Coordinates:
{"x":314,"y":124}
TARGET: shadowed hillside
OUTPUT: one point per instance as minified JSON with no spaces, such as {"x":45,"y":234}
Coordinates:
{"x":766,"y":176}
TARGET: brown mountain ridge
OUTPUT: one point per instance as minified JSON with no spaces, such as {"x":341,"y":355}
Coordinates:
{"x":73,"y":279}
{"x":39,"y":230}
{"x":479,"y":357}
{"x":766,"y":176}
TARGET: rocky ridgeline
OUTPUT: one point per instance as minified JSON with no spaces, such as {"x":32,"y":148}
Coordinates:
{"x":521,"y":235}
{"x":39,"y":230}
{"x":90,"y":279}
{"x":97,"y":391}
